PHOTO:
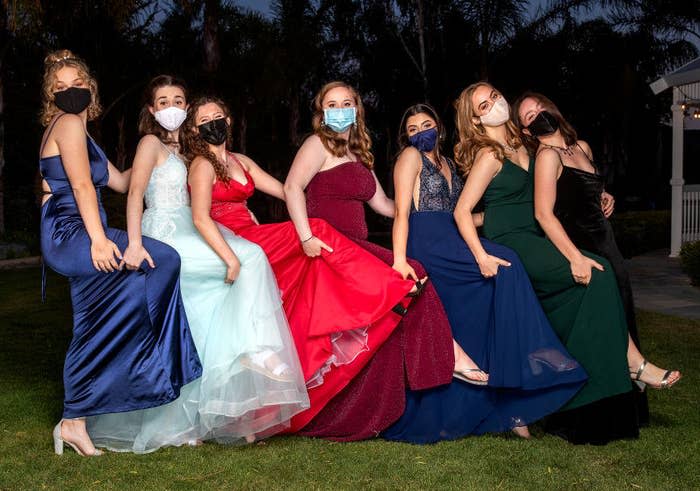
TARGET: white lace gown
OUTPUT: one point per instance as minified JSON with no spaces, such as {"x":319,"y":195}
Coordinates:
{"x":241,"y":393}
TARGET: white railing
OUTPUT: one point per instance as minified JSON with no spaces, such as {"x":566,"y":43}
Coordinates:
{"x":691,"y":213}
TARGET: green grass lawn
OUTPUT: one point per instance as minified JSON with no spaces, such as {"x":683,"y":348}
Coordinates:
{"x":35,"y":337}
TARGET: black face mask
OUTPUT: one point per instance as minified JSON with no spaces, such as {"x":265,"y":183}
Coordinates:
{"x":73,"y":100}
{"x":214,"y":132}
{"x":544,"y":124}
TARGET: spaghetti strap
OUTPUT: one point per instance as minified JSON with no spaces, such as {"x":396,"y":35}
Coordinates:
{"x":233,"y":156}
{"x":590,"y":159}
{"x":48,"y":133}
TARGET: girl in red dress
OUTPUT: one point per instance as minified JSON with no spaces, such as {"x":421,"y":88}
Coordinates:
{"x":342,"y":303}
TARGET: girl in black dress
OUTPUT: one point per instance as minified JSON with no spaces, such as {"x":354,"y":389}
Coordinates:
{"x":579,"y":205}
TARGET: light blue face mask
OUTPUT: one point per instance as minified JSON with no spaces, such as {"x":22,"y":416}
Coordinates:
{"x":339,"y":119}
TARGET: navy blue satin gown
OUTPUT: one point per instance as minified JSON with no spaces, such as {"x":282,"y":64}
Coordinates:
{"x":497,"y":321}
{"x":131,"y":346}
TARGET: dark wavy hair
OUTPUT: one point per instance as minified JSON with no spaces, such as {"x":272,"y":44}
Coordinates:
{"x":147,"y":122}
{"x":531,"y":142}
{"x":195,"y":146}
{"x":421,"y":108}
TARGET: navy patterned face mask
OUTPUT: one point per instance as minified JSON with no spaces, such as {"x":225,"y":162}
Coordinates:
{"x":425,"y":140}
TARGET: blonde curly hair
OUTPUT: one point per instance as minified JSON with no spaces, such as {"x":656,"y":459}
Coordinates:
{"x":358,"y":142}
{"x":472,"y":137}
{"x":52,"y":64}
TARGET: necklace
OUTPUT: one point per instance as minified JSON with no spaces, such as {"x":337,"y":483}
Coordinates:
{"x":508,"y":148}
{"x":568,"y":150}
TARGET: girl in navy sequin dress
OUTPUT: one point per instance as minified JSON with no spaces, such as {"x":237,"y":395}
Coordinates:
{"x":497,"y":319}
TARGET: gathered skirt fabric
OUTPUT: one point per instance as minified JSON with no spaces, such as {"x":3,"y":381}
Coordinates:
{"x":501,"y":326}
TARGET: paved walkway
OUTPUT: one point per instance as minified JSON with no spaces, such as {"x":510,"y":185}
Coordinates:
{"x":659,"y":285}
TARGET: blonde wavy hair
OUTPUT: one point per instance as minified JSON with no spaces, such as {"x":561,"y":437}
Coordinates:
{"x":53,"y":62}
{"x":472,"y":137}
{"x":358,"y":142}
{"x":193,"y":145}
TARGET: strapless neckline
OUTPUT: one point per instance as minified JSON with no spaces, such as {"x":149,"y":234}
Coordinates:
{"x":341,"y":165}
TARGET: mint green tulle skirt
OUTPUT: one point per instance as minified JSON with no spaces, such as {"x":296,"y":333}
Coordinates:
{"x":252,"y":382}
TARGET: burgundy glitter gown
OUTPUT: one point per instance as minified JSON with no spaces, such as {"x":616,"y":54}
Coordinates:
{"x":419,"y":352}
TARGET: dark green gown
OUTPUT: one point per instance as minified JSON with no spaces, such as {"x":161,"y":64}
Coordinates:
{"x":590,"y":320}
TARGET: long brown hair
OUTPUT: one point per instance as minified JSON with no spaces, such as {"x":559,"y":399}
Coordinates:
{"x":531,"y":142}
{"x":147,"y":122}
{"x":53,"y":62}
{"x":403,"y":134}
{"x":472,"y":137}
{"x":193,"y":143}
{"x":358,"y":142}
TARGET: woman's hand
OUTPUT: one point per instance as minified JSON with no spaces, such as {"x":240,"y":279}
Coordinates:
{"x":233,"y":268}
{"x":488,"y":265}
{"x":405,"y":270}
{"x":105,"y":254}
{"x":135,"y":255}
{"x":607,"y":203}
{"x":314,"y":245}
{"x":582,"y":268}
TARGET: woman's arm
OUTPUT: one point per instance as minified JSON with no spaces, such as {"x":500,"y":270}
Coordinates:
{"x":405,"y":175}
{"x":70,"y":137}
{"x":482,"y":172}
{"x":380,"y":202}
{"x":547,"y":171}
{"x":201,"y":180}
{"x":118,"y":180}
{"x":147,"y":154}
{"x":307,"y":162}
{"x":263,"y":181}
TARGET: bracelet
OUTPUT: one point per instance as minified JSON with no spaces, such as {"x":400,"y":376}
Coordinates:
{"x":310,"y":237}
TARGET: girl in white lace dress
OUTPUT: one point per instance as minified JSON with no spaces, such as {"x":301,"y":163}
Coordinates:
{"x":251,"y":383}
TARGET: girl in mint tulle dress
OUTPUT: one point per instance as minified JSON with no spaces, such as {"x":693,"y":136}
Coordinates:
{"x":252,"y":383}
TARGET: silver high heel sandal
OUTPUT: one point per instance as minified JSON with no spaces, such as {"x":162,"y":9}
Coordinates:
{"x":58,"y":443}
{"x":663,"y":384}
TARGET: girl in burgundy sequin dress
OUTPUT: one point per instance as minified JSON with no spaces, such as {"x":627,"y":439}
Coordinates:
{"x":335,"y":168}
{"x":341,"y":304}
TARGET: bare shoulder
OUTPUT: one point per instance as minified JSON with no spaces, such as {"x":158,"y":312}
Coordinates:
{"x":245,"y":161}
{"x":547,"y":155}
{"x":148,"y":141}
{"x":586,"y":148}
{"x":68,"y":124}
{"x":200,"y":166}
{"x":313,"y":142}
{"x":486,"y":159}
{"x":409,"y":158}
{"x":149,"y":144}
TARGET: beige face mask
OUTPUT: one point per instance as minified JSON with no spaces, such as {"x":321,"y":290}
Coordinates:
{"x":499,"y":113}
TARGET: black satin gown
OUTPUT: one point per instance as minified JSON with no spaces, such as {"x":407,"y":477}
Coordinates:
{"x":579,"y":210}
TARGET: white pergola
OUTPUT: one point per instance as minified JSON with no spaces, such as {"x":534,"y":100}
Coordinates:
{"x":685,"y":82}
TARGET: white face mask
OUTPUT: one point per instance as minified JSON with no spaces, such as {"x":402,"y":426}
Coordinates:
{"x":171,"y":117}
{"x":499,"y":113}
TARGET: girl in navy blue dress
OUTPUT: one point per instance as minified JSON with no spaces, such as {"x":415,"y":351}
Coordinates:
{"x":521,"y":371}
{"x":131,"y":346}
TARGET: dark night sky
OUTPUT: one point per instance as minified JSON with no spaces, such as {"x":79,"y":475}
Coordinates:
{"x":264,"y":5}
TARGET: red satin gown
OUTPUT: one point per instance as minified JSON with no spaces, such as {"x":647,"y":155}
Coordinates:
{"x":339,"y":305}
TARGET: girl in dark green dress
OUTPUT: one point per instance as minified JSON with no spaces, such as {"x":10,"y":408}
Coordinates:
{"x":577,"y":289}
